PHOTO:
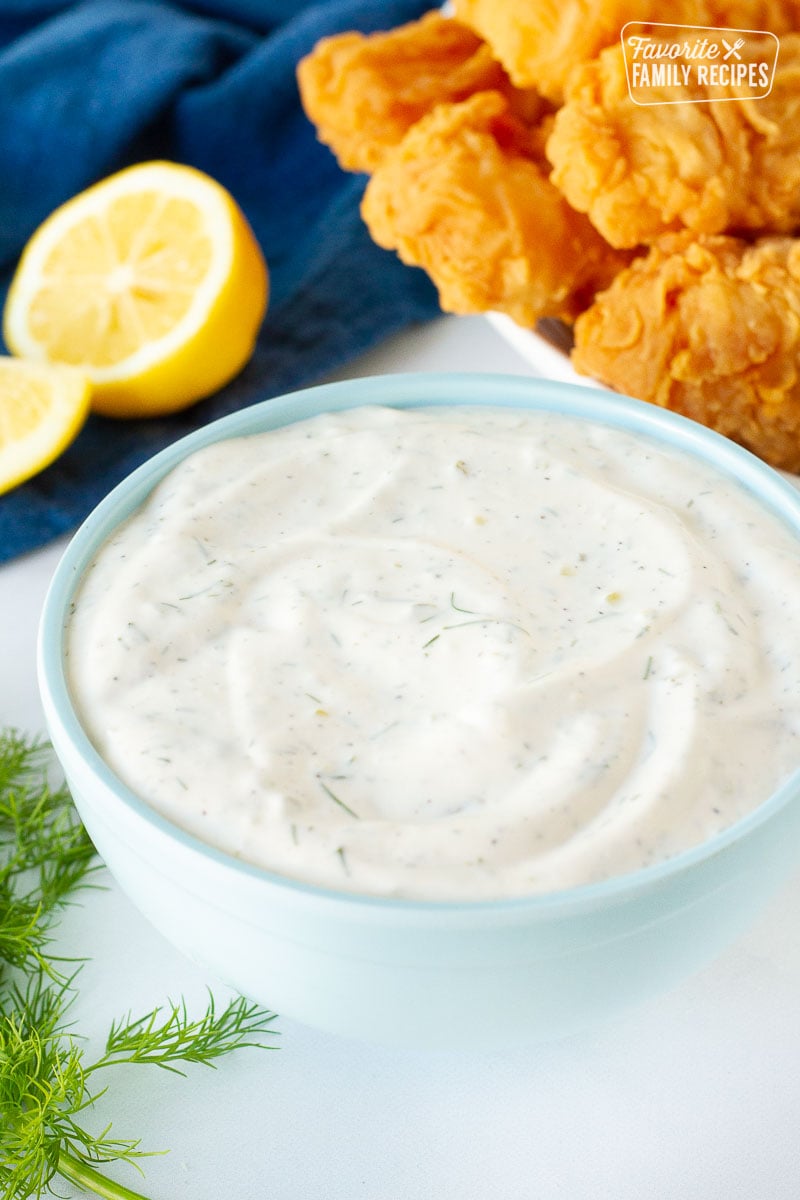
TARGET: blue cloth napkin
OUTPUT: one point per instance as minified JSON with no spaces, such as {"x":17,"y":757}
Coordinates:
{"x":87,"y":88}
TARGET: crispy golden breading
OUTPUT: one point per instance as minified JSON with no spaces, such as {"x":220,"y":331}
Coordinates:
{"x":539,"y":42}
{"x":466,"y":196}
{"x":363,"y":93}
{"x":640,"y":171}
{"x":512,"y":208}
{"x":708,"y":327}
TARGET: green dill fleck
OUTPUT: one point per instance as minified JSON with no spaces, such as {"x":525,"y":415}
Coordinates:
{"x":719,"y":610}
{"x":336,"y":799}
{"x":487,"y":621}
{"x":470,"y":612}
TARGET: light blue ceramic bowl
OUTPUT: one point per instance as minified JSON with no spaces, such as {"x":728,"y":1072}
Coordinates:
{"x":412,"y":972}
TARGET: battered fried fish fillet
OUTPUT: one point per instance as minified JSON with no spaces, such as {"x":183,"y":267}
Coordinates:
{"x":708,"y":327}
{"x":363,"y":93}
{"x":466,"y":196}
{"x":640,"y":171}
{"x":539,"y":42}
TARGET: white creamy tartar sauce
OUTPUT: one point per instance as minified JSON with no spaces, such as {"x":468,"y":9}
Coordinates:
{"x":455,"y":653}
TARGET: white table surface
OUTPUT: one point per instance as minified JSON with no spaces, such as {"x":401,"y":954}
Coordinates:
{"x":696,"y":1097}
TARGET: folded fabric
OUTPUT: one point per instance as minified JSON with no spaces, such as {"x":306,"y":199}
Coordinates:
{"x":87,"y":88}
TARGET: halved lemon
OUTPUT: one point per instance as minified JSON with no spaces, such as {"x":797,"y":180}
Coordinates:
{"x":151,"y":282}
{"x":42,"y":409}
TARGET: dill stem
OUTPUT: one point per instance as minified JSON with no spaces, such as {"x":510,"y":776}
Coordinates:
{"x":91,"y":1180}
{"x":336,"y":799}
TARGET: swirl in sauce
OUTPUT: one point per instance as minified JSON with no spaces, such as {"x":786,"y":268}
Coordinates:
{"x":444,"y":653}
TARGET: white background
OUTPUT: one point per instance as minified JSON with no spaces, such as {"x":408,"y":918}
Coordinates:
{"x":696,"y":1097}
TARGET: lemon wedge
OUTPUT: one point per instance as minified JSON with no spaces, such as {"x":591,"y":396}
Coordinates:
{"x":151,"y":282}
{"x":42,"y":409}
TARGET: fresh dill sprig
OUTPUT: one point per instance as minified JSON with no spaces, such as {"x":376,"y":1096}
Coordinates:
{"x":43,"y":1091}
{"x":46,"y":1083}
{"x":168,"y":1036}
{"x":45,"y":852}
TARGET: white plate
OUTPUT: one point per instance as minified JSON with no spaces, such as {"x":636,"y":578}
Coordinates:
{"x":545,"y":348}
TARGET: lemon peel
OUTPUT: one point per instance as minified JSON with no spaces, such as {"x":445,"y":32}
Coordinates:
{"x":42,"y":410}
{"x":151,"y":282}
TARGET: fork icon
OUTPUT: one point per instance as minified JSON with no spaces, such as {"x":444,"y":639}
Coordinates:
{"x":732,"y":49}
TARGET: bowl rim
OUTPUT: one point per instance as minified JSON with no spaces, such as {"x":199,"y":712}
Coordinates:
{"x":406,"y":390}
